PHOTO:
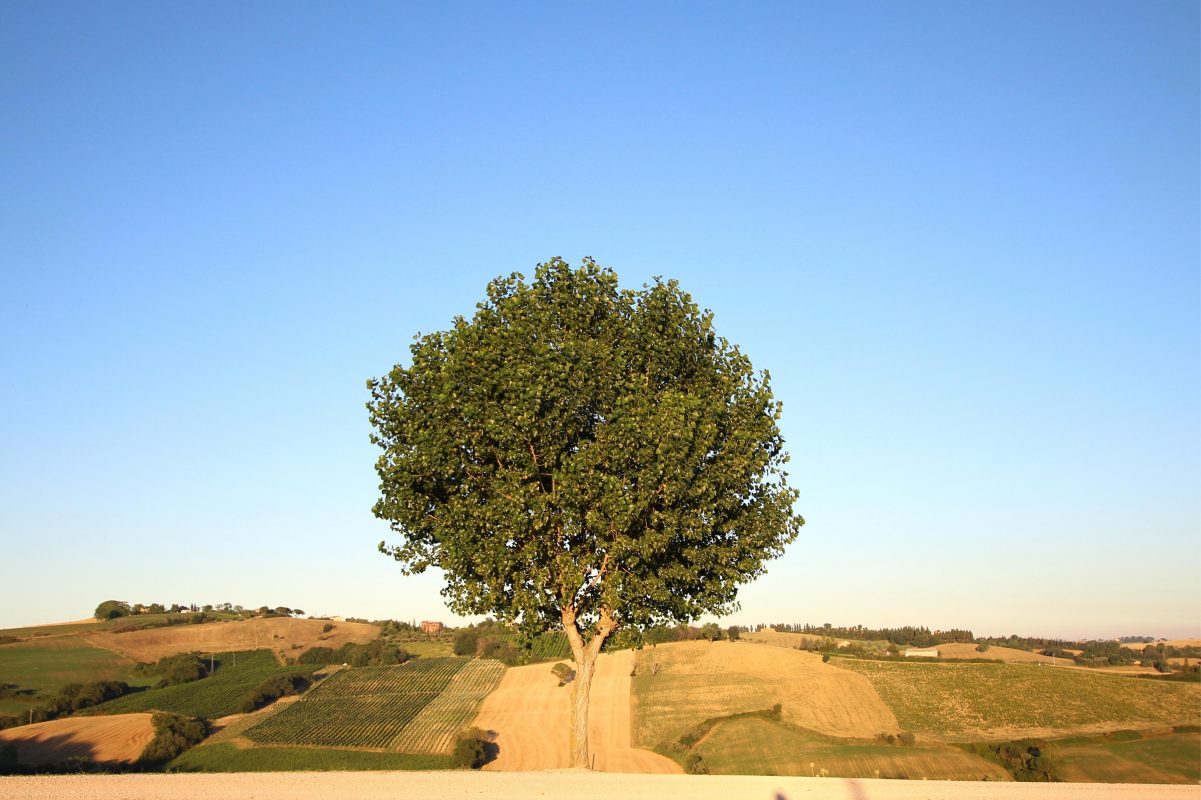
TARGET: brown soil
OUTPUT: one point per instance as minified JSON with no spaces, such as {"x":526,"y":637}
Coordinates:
{"x":117,"y":738}
{"x":580,"y":784}
{"x":284,"y":636}
{"x":530,"y":713}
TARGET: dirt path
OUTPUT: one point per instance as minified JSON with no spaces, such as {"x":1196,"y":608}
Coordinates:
{"x":121,"y":737}
{"x":576,"y":784}
{"x":530,"y":713}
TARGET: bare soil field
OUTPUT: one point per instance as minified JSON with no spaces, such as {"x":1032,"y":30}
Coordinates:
{"x":576,"y":784}
{"x":698,"y":680}
{"x":530,"y":712}
{"x":283,"y":635}
{"x":119,"y":738}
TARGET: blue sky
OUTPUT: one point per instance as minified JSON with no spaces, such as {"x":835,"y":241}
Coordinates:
{"x":963,"y":238}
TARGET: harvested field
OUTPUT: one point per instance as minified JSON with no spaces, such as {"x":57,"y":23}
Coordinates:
{"x":699,"y":680}
{"x":119,"y":738}
{"x":282,"y":635}
{"x":530,"y":712}
{"x":581,"y":785}
{"x":973,"y":702}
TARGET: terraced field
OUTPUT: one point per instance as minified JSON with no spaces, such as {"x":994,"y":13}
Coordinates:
{"x":361,"y":706}
{"x":966,"y":702}
{"x":218,"y":695}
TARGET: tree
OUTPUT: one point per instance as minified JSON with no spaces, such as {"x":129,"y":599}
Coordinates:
{"x":111,"y":609}
{"x":581,"y":456}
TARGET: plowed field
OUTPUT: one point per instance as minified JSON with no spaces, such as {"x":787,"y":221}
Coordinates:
{"x":117,"y":738}
{"x":530,"y":712}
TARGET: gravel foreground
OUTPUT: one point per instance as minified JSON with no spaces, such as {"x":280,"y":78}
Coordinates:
{"x":574,"y":784}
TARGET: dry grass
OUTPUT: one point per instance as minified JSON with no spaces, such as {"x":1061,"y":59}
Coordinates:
{"x":282,"y":635}
{"x":1010,"y":655}
{"x":699,"y":680}
{"x":972,"y":702}
{"x":750,"y":746}
{"x":120,"y":738}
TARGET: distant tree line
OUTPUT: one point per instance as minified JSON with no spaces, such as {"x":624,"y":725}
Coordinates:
{"x":113,"y":609}
{"x":377,"y":653}
{"x":908,"y":635}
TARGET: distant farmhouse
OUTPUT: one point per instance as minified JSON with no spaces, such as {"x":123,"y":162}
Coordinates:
{"x":431,"y":627}
{"x":922,"y":652}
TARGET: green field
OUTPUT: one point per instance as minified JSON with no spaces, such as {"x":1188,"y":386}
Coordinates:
{"x":43,"y":665}
{"x":218,"y":695}
{"x":964,"y":702}
{"x":228,"y":758}
{"x":755,"y":746}
{"x":1173,"y":758}
{"x":435,"y":728}
{"x":360,"y":706}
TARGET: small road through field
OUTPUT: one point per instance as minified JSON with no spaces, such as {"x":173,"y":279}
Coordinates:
{"x":576,"y":784}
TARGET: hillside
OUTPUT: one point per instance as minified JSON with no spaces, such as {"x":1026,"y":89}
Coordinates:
{"x":988,"y":701}
{"x":119,"y":738}
{"x":283,"y":635}
{"x":680,"y":685}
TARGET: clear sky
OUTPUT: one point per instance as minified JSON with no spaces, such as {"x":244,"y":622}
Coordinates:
{"x":963,"y":238}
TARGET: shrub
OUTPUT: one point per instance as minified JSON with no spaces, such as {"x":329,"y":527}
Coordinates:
{"x":466,"y":642}
{"x":327,"y":627}
{"x":272,"y":689}
{"x":695,"y":765}
{"x":172,"y":735}
{"x":471,"y":749}
{"x":982,"y":647}
{"x":183,"y":668}
{"x":906,"y":738}
{"x":563,"y":672}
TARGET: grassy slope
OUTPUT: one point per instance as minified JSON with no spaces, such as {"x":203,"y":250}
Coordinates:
{"x":1174,"y":758}
{"x":962,"y":702}
{"x":78,"y":628}
{"x":752,"y":746}
{"x":228,"y":758}
{"x":46,"y":664}
{"x":215,"y":696}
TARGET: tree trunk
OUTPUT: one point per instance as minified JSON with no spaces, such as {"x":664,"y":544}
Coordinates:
{"x":585,"y":666}
{"x":585,"y":655}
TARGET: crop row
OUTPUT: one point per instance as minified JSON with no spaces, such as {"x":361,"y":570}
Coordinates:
{"x":218,"y":695}
{"x":360,"y":706}
{"x":434,"y":729}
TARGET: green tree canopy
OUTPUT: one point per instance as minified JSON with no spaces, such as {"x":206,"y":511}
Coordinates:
{"x":111,"y":609}
{"x":582,"y":456}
